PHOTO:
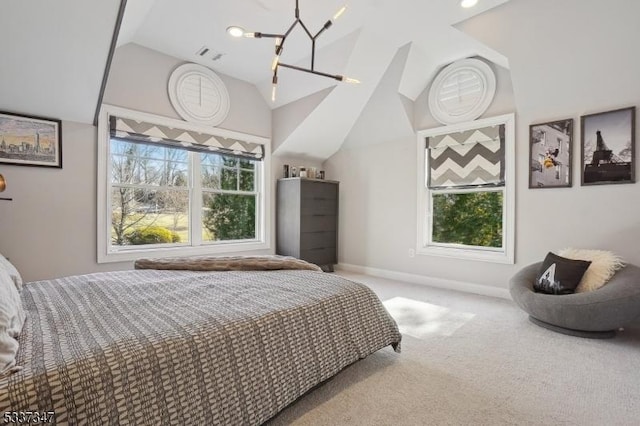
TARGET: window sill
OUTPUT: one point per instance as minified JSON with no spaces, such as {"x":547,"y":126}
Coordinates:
{"x":211,"y":249}
{"x":468,"y":254}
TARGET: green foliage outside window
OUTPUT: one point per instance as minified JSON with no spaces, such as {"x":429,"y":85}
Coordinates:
{"x":152,"y":235}
{"x":473,"y":219}
{"x":232,"y":216}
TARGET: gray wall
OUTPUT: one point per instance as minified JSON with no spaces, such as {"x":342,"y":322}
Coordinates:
{"x":567,"y":59}
{"x":138,"y":81}
{"x":378,"y":187}
{"x":49,"y":230}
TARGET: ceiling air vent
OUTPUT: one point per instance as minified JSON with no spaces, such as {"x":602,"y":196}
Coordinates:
{"x":205,"y":52}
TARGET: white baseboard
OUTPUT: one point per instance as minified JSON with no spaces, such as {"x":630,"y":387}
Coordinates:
{"x":483,"y":290}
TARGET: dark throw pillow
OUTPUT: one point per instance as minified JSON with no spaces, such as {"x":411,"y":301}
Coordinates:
{"x":559,"y":275}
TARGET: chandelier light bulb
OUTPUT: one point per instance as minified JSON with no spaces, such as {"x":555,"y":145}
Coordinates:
{"x":350,"y":80}
{"x":235,"y":31}
{"x":340,"y":12}
{"x":468,"y":3}
{"x":273,"y":92}
{"x":274,"y":64}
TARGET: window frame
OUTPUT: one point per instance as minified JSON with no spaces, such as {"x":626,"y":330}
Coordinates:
{"x":105,"y":251}
{"x":424,"y":243}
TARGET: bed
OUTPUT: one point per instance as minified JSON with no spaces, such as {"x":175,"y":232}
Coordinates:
{"x":157,"y":346}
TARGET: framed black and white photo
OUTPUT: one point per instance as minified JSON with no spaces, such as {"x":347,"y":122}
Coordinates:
{"x":608,"y":147}
{"x":30,"y":141}
{"x":550,"y":154}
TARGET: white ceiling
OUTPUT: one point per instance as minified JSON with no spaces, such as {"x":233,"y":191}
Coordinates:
{"x":54,"y":55}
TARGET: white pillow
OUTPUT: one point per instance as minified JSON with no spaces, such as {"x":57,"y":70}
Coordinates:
{"x":12,"y":318}
{"x":603,"y":265}
{"x":13,"y":272}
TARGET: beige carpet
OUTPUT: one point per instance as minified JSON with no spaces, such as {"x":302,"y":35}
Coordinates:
{"x":474,"y":360}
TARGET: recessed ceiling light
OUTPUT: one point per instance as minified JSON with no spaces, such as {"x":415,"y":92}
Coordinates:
{"x":468,"y":3}
{"x":235,"y":31}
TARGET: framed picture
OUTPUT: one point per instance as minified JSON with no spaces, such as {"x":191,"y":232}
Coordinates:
{"x":608,"y":147}
{"x":30,"y":141}
{"x":551,"y":154}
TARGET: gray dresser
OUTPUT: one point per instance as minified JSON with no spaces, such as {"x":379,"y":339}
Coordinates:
{"x":307,"y":220}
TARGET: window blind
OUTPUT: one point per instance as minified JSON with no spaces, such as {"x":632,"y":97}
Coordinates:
{"x":467,"y":159}
{"x":140,"y":131}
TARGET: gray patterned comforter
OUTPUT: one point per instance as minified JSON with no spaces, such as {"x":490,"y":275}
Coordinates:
{"x":184,"y":347}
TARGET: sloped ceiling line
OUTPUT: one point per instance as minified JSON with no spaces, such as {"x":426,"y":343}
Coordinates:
{"x":112,"y":50}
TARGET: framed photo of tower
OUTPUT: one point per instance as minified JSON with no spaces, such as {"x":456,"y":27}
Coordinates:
{"x":608,"y":147}
{"x":551,"y":154}
{"x":30,"y":141}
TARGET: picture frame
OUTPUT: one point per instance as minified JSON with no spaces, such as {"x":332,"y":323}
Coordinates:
{"x":30,"y":140}
{"x":607,"y":144}
{"x":551,"y":154}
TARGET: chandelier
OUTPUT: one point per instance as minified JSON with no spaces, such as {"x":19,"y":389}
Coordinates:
{"x":280,"y":40}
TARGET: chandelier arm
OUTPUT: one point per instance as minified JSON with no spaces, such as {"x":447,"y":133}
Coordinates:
{"x":310,"y":71}
{"x":267,"y":35}
{"x":323,"y":29}
{"x":291,"y":28}
{"x":306,"y":30}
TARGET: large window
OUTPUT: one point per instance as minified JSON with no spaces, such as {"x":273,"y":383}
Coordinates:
{"x":168,"y":196}
{"x":465,"y":190}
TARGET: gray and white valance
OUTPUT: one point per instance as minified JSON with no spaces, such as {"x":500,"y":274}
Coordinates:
{"x":141,"y":131}
{"x":467,"y":159}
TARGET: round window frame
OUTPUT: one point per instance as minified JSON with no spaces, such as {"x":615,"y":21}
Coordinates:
{"x":174,"y":87}
{"x":485,"y":74}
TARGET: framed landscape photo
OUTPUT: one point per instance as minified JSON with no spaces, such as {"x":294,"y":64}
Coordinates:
{"x":608,"y":147}
{"x":30,"y":141}
{"x":551,"y":154}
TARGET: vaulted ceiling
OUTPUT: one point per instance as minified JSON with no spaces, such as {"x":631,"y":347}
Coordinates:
{"x":39,"y":41}
{"x":182,"y":29}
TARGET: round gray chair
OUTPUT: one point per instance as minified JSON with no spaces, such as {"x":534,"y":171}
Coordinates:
{"x":594,"y":314}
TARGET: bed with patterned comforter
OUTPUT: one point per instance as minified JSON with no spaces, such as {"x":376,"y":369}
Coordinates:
{"x":188,"y":347}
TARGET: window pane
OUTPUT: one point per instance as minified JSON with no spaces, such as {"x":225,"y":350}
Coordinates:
{"x":228,"y":217}
{"x":177,"y":174}
{"x":136,"y":170}
{"x":210,"y":177}
{"x":142,"y":216}
{"x":471,"y":219}
{"x":141,"y":164}
{"x":229,"y":179}
{"x":247,"y":164}
{"x":211,"y":160}
{"x":229,"y":161}
{"x":246,"y":180}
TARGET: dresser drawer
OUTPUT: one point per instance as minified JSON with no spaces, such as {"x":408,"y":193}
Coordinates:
{"x":311,"y":206}
{"x":316,"y":240}
{"x":318,"y":190}
{"x":318,"y":222}
{"x":320,"y":256}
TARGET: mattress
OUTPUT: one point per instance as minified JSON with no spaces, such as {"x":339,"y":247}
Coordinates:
{"x":185,"y":347}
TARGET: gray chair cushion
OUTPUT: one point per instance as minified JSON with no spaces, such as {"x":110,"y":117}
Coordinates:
{"x":608,"y":308}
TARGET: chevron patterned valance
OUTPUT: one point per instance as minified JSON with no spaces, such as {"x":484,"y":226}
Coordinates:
{"x":141,"y":131}
{"x":467,"y":159}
